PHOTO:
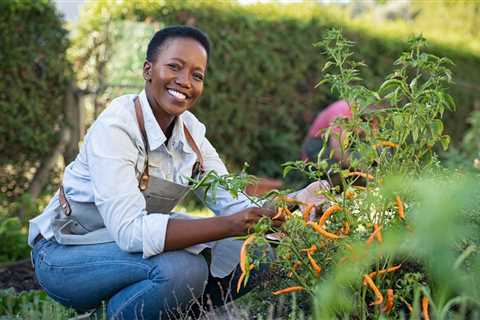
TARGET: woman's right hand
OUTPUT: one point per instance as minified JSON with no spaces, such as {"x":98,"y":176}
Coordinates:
{"x":243,"y":221}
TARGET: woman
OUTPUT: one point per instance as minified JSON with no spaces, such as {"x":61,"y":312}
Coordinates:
{"x":107,"y":234}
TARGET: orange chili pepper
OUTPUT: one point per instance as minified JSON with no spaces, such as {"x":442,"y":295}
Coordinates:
{"x":313,"y":248}
{"x":288,"y":290}
{"x":386,"y":144}
{"x":345,"y":228}
{"x":279,"y":213}
{"x":391,"y":269}
{"x":242,"y":277}
{"x":390,"y":302}
{"x":306,"y":212}
{"x":323,"y":232}
{"x":369,"y":282}
{"x":240,"y":280}
{"x":425,"y":303}
{"x":401,"y":210}
{"x":378,"y":233}
{"x":287,"y":212}
{"x":314,"y":264}
{"x":373,"y":235}
{"x":312,"y":261}
{"x":243,"y":252}
{"x":360,"y":174}
{"x":327,"y":213}
{"x":409,"y":307}
{"x":349,"y":195}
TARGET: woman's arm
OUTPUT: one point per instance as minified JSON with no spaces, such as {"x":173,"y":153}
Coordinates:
{"x":182,"y":233}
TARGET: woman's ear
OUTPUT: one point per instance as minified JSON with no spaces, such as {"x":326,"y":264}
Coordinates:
{"x":147,"y":70}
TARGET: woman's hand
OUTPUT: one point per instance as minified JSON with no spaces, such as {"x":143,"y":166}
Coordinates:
{"x":243,"y":221}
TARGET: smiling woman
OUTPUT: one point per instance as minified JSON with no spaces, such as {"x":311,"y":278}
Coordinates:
{"x":109,"y":234}
{"x":174,"y":78}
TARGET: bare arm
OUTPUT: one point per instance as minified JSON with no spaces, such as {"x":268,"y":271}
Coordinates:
{"x":182,"y":233}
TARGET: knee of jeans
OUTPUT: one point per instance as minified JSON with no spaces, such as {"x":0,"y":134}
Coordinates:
{"x":181,"y":266}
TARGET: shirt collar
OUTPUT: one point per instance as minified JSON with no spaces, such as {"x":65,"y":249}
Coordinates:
{"x":155,"y":134}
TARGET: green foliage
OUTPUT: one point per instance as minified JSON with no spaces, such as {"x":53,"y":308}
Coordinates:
{"x":259,"y":96}
{"x":33,"y":84}
{"x":31,"y":305}
{"x":471,"y":140}
{"x":13,"y":239}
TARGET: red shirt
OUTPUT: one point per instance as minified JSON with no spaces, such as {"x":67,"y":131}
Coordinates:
{"x":327,"y":116}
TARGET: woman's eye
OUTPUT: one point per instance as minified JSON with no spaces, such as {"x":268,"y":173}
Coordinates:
{"x":198,"y":76}
{"x":173,"y":66}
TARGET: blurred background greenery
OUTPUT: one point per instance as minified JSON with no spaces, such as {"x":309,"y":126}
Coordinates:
{"x":260,"y":92}
{"x":260,"y":95}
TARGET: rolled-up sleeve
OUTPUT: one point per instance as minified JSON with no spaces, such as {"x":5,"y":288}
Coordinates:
{"x":112,"y":154}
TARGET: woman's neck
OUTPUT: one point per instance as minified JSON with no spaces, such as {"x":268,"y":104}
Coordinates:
{"x":164,"y":120}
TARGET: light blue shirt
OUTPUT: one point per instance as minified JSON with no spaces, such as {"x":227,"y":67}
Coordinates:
{"x":109,"y":164}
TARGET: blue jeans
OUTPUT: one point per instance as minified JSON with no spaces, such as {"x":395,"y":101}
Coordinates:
{"x":81,"y":276}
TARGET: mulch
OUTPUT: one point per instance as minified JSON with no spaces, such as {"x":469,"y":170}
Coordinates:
{"x":18,"y":275}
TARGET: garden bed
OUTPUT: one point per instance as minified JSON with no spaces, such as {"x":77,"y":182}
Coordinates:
{"x":18,"y":275}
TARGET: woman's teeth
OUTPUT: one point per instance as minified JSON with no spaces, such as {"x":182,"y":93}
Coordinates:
{"x":176,"y":94}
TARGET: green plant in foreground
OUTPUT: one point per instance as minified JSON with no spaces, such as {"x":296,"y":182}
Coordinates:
{"x":401,"y":223}
{"x":31,"y":305}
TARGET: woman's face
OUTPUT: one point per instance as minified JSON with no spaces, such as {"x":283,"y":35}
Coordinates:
{"x":175,"y":77}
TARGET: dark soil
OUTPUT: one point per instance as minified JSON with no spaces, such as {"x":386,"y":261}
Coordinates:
{"x":18,"y":275}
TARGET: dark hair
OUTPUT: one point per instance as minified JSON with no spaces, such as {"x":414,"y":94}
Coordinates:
{"x":161,"y":36}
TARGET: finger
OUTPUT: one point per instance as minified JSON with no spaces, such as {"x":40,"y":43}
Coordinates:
{"x":268,"y":212}
{"x":277,"y":223}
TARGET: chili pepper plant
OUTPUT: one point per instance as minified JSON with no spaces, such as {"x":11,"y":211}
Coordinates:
{"x":393,"y":236}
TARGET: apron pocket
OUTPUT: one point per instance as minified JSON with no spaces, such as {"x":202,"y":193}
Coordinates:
{"x":159,"y":204}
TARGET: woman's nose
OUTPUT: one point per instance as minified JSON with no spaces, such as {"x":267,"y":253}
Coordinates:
{"x":183,"y":79}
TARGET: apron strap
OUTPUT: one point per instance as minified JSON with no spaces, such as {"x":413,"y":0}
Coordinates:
{"x":198,"y":166}
{"x":143,"y":183}
{"x":195,"y":148}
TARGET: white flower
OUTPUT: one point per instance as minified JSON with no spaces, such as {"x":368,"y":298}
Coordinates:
{"x":476,"y":164}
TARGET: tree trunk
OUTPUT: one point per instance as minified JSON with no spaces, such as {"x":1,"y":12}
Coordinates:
{"x":42,"y":174}
{"x":73,"y":118}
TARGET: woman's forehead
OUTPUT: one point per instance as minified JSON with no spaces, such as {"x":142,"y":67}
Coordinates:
{"x":185,"y":49}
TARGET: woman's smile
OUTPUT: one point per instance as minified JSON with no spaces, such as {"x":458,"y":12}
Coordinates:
{"x":177,"y":95}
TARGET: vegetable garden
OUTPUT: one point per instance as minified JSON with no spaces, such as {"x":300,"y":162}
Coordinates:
{"x":389,"y":242}
{"x":398,"y":233}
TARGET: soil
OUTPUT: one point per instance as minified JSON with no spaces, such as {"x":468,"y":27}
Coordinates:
{"x":18,"y":275}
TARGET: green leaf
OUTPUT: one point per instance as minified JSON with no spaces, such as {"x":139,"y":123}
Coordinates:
{"x":389,"y":85}
{"x":445,"y":141}
{"x":327,"y":65}
{"x":436,"y":127}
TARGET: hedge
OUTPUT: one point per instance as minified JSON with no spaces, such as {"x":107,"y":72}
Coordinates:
{"x":260,"y":93}
{"x":34,"y":78}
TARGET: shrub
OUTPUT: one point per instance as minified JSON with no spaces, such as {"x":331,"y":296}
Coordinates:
{"x":260,"y":94}
{"x":34,"y":80}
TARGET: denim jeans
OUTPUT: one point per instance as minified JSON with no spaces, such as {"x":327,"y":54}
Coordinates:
{"x":82,"y":276}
